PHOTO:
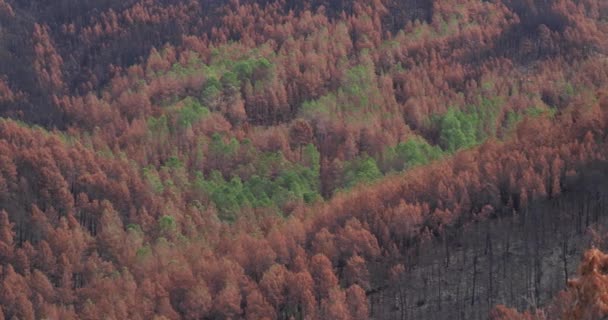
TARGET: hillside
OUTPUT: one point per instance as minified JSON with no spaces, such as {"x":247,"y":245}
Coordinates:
{"x":286,"y":159}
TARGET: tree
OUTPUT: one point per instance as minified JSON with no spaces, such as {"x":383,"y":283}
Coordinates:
{"x":42,"y":286}
{"x":300,"y":134}
{"x":258,"y":307}
{"x":457,"y":130}
{"x":14,"y":296}
{"x":355,"y":272}
{"x":45,"y":259}
{"x":227,"y":304}
{"x":6,"y":237}
{"x":589,"y":293}
{"x":361,"y":170}
{"x":48,"y":63}
{"x":323,"y":275}
{"x":334,"y":306}
{"x":197,"y":302}
{"x":255,"y":255}
{"x":6,"y":9}
{"x":300,"y":294}
{"x":274,"y":285}
{"x":324,"y":243}
{"x":354,"y":240}
{"x":357,"y":302}
{"x":502,"y":312}
{"x":112,"y":236}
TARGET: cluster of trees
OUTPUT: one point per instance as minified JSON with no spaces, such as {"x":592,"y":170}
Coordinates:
{"x":271,"y":159}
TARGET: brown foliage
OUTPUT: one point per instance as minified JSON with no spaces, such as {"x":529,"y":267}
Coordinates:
{"x":82,"y":199}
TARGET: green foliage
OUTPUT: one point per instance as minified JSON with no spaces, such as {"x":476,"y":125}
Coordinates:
{"x":354,"y":97}
{"x":357,"y":84}
{"x":296,"y":183}
{"x":158,"y":126}
{"x":245,"y":69}
{"x":220,"y":150}
{"x":487,"y":111}
{"x":512,"y":119}
{"x":212,"y":90}
{"x":190,"y":112}
{"x":167,"y":223}
{"x":358,"y":88}
{"x":457,"y":130}
{"x":133,"y":227}
{"x":311,"y":158}
{"x":230,"y":81}
{"x":143,"y":252}
{"x":153,"y":179}
{"x":227,"y":196}
{"x":463,"y":129}
{"x":324,"y":107}
{"x":414,"y":152}
{"x":569,"y":89}
{"x":539,"y":111}
{"x":174,"y":163}
{"x":360,"y":171}
{"x":274,"y":183}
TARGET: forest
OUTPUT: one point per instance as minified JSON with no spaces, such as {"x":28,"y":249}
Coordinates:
{"x":311,"y":159}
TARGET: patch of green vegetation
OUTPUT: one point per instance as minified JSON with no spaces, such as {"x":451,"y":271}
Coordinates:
{"x":540,"y":111}
{"x":414,"y":152}
{"x":220,"y":150}
{"x":190,"y":112}
{"x":143,"y":252}
{"x":133,"y":227}
{"x":361,"y":170}
{"x":457,"y":130}
{"x":357,"y":84}
{"x":174,"y":163}
{"x":569,"y":89}
{"x":512,"y":119}
{"x":463,"y":129}
{"x":230,"y":81}
{"x":487,"y":111}
{"x":353,"y":97}
{"x":153,"y":179}
{"x":212,"y":91}
{"x":274,"y":183}
{"x":228,"y":70}
{"x":246,"y":69}
{"x":322,"y":106}
{"x":158,"y":126}
{"x":167,"y":223}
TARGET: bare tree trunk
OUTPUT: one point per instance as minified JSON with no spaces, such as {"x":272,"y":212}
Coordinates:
{"x":439,"y":290}
{"x":490,"y":270}
{"x":474,"y":279}
{"x":447,"y":250}
{"x":538,"y":273}
{"x":371,"y":305}
{"x":402,"y":303}
{"x":458,"y":304}
{"x":565,"y":258}
{"x":579,"y":222}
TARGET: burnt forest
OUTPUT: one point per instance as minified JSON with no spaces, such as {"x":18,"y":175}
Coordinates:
{"x":303,"y":159}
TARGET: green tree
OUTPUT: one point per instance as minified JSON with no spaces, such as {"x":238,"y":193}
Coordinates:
{"x":211,"y":92}
{"x":457,"y":130}
{"x":414,"y":152}
{"x":361,"y":170}
{"x":190,"y":112}
{"x":167,"y":224}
